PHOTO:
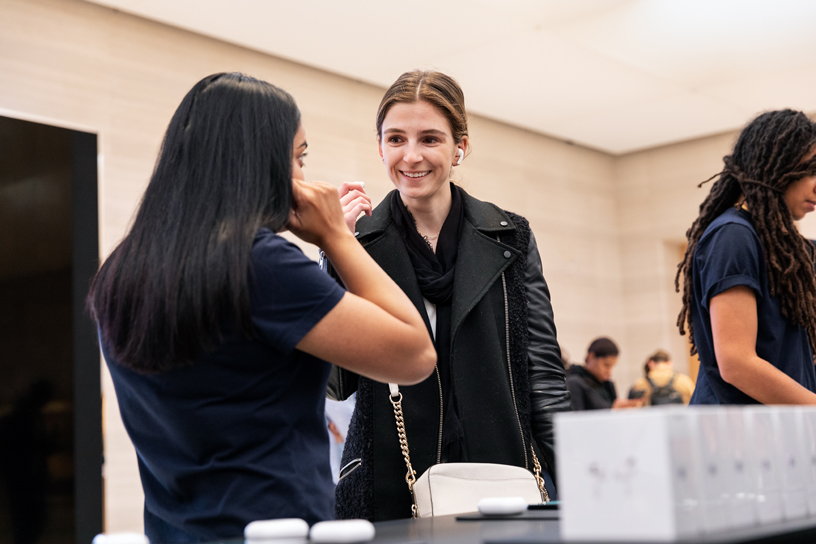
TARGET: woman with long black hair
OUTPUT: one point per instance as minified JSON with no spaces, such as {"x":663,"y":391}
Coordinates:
{"x":214,"y":327}
{"x":749,"y":288}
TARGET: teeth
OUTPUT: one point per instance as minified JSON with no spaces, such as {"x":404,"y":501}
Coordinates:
{"x":418,"y":175}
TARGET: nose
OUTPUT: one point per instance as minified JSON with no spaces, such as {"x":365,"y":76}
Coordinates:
{"x":413,"y":154}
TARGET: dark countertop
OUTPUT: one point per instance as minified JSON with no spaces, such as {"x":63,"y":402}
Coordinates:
{"x":543,"y":527}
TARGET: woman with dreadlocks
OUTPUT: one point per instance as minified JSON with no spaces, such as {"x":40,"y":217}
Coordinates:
{"x":749,"y":292}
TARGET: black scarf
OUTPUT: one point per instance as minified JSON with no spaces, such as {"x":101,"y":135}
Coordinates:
{"x":434,"y":274}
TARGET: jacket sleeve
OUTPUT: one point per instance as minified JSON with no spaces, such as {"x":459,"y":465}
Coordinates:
{"x":577,"y":397}
{"x":342,"y":383}
{"x":548,"y":387}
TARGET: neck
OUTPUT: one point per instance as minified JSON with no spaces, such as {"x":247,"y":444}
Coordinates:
{"x":429,"y":213}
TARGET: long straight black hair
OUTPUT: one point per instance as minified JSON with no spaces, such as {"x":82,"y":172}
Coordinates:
{"x":183,"y":270}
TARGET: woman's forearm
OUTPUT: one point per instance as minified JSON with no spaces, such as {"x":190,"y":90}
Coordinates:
{"x":363,"y":277}
{"x":734,"y":331}
{"x":765,"y":383}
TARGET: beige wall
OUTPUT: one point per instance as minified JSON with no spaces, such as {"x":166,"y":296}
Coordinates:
{"x":657,"y":199}
{"x":608,"y":227}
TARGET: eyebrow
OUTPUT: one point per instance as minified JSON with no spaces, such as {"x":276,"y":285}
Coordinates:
{"x":427,"y":131}
{"x":304,"y":145}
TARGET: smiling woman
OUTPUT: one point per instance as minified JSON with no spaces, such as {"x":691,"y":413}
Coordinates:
{"x":474,"y":272}
{"x":749,"y":296}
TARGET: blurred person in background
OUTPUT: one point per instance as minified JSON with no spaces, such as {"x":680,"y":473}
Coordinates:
{"x":565,"y":358}
{"x":338,"y":417}
{"x":590,"y":385}
{"x":24,"y":448}
{"x":661,"y":384}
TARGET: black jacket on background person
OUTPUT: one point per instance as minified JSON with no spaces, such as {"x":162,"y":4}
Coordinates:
{"x":504,"y":407}
{"x":588,"y":393}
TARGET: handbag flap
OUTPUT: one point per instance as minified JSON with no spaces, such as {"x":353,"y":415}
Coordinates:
{"x":457,"y":488}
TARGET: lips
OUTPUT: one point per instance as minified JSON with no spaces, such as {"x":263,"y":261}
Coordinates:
{"x":415,"y":175}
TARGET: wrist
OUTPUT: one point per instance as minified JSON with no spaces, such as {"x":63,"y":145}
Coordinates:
{"x":335,"y":243}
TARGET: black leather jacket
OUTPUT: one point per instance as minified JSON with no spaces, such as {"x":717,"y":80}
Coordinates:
{"x":490,"y":245}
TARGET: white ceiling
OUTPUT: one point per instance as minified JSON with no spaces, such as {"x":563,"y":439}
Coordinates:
{"x":614,"y":75}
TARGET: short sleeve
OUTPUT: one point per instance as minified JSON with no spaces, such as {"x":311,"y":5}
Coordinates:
{"x":290,"y":294}
{"x":728,"y":257}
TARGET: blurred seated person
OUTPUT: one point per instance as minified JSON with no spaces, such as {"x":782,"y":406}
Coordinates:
{"x":565,"y":358}
{"x":589,"y":384}
{"x":661,"y":384}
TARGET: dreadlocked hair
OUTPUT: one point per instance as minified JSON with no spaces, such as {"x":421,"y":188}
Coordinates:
{"x":766,"y":159}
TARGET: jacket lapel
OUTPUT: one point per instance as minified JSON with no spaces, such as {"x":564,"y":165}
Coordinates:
{"x":388,"y":250}
{"x":480,"y":262}
{"x":390,"y":253}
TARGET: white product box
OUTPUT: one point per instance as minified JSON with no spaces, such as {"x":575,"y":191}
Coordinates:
{"x":793,"y":462}
{"x":715,"y":462}
{"x":809,"y":442}
{"x":742,"y":470}
{"x":763,"y":422}
{"x":628,"y":475}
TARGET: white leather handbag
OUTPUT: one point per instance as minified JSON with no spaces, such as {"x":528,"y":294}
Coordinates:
{"x":456,"y":488}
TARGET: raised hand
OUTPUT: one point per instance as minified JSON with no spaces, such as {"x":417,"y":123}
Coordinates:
{"x":316,"y":215}
{"x":354,"y":201}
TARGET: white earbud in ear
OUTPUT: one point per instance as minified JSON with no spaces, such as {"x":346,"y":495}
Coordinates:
{"x":461,"y":153}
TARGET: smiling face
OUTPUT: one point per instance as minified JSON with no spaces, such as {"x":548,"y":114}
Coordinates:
{"x":419,"y":151}
{"x":800,"y":196}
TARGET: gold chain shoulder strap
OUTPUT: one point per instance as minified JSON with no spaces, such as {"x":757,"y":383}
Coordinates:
{"x":539,"y":479}
{"x":410,"y":477}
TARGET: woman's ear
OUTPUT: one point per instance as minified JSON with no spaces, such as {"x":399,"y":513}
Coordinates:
{"x":379,"y":149}
{"x":460,"y":155}
{"x":463,"y":144}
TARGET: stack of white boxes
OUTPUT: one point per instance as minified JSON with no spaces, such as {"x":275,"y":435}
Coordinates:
{"x":664,"y":474}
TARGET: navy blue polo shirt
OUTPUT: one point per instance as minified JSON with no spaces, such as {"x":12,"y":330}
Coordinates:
{"x":730,"y":254}
{"x":240,"y":435}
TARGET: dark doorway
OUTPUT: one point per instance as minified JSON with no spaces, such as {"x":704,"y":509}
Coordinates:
{"x":50,"y":396}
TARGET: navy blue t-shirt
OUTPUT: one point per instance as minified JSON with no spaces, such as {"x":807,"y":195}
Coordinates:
{"x":240,"y":435}
{"x":730,"y":254}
